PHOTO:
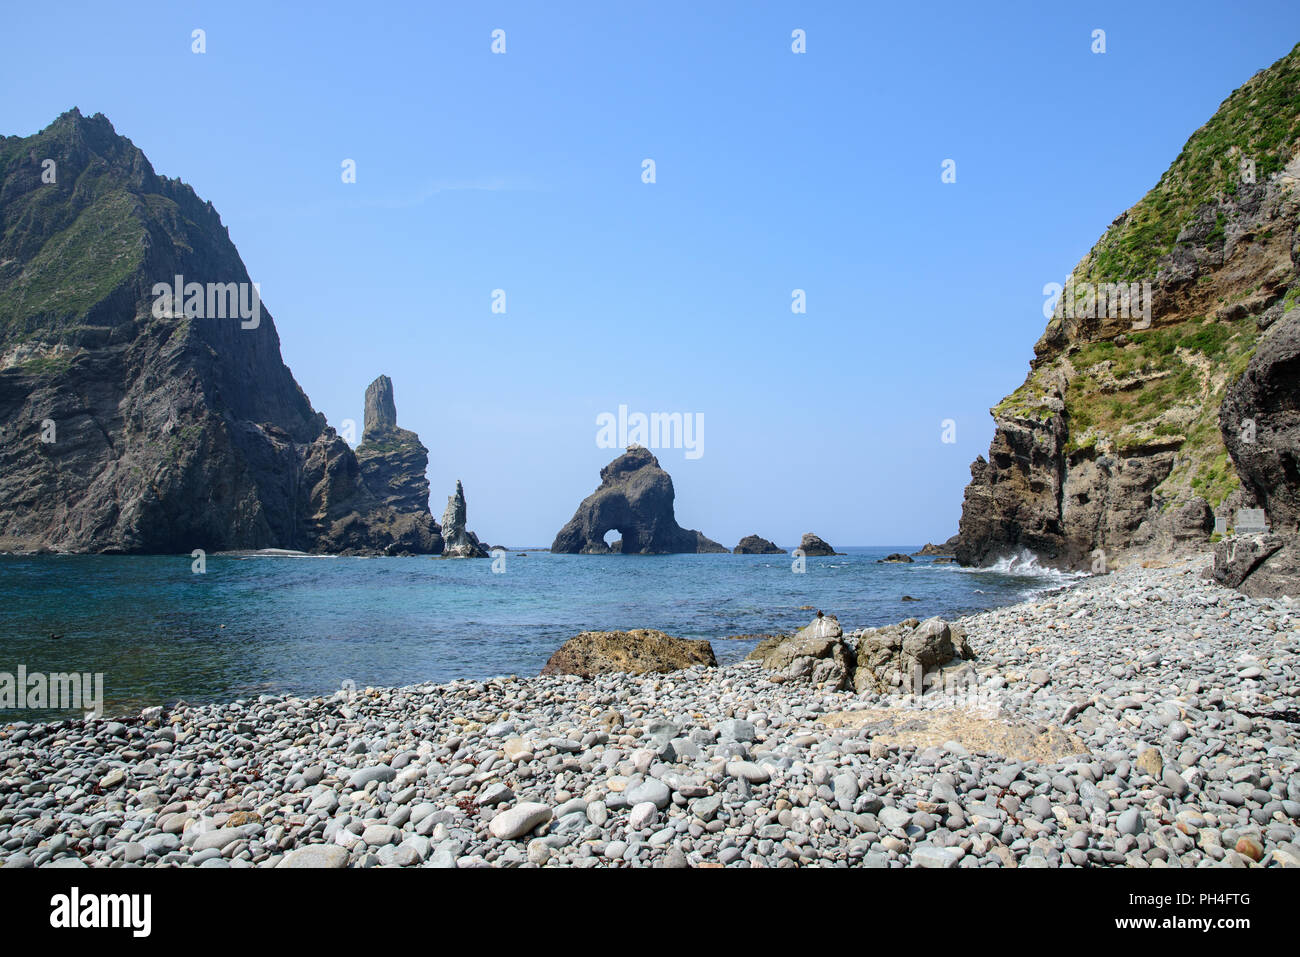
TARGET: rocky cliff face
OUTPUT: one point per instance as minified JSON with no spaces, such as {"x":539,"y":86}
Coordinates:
{"x":635,"y":497}
{"x":1260,"y":422}
{"x":133,"y":421}
{"x":393,"y":461}
{"x":1111,"y":449}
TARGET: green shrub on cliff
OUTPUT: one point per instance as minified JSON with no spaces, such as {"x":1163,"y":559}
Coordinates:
{"x":1258,"y":122}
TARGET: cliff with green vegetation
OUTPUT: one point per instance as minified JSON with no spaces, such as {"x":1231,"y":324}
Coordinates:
{"x":1113,"y":445}
{"x":130,"y":424}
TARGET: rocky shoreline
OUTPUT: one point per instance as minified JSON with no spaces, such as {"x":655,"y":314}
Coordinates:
{"x":1145,"y":718}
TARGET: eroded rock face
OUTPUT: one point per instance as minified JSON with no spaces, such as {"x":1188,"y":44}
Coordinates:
{"x":173,"y":429}
{"x":346,"y":515}
{"x":635,"y":497}
{"x":753,"y":545}
{"x":381,"y":408}
{"x":1260,"y":421}
{"x":811,"y":544}
{"x":1110,"y":440}
{"x":1193,"y":521}
{"x":393,"y":460}
{"x":636,"y":652}
{"x":459,"y":542}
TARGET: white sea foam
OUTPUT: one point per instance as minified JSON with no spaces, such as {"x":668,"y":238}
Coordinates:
{"x":1026,"y":564}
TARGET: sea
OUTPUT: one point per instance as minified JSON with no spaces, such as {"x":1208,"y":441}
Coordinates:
{"x":159,"y":631}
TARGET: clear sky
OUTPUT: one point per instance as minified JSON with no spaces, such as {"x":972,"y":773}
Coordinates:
{"x":775,"y":171}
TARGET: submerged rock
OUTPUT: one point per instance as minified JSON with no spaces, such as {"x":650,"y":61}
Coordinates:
{"x":635,"y":497}
{"x":635,"y":652}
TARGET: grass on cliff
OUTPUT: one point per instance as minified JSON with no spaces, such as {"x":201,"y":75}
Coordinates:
{"x":50,"y":365}
{"x":1164,"y":386}
{"x":78,"y":240}
{"x":1259,"y":121}
{"x":79,"y":266}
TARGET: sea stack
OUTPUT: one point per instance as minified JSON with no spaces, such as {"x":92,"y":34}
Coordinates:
{"x":635,"y":498}
{"x":813,"y":545}
{"x":381,"y":408}
{"x":458,"y":541}
{"x":753,"y":545}
{"x":393,"y":461}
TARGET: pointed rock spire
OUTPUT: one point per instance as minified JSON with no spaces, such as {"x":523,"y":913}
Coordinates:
{"x":381,"y":409}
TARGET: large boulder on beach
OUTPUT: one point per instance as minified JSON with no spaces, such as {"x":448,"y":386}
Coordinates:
{"x":635,"y":652}
{"x":817,"y":652}
{"x":753,"y":545}
{"x":812,"y":544}
{"x":889,"y":657}
{"x":635,"y":498}
{"x":1262,"y":566}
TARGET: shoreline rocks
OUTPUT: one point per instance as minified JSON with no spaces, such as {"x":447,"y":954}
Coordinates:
{"x":635,"y":652}
{"x":947,"y":549}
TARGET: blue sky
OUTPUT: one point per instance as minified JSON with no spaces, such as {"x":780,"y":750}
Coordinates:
{"x":775,"y":171}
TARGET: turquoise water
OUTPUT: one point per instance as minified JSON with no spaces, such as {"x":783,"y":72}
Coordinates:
{"x":306,"y":625}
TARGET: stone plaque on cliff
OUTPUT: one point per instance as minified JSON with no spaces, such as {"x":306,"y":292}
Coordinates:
{"x":1250,"y":521}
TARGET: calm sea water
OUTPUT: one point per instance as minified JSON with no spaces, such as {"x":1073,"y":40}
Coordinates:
{"x":158,"y":632}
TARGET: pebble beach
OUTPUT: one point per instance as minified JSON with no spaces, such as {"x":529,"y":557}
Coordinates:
{"x":1142,"y":719}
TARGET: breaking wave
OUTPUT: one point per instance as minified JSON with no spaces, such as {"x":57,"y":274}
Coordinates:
{"x":1025,"y":564}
